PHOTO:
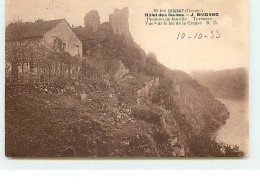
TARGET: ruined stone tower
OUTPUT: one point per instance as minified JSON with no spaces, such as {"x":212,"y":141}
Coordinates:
{"x":119,"y":21}
{"x":92,"y":20}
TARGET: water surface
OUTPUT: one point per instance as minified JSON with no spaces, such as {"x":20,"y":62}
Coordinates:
{"x":236,"y":130}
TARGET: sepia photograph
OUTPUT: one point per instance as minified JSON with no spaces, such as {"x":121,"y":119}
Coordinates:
{"x":150,"y":79}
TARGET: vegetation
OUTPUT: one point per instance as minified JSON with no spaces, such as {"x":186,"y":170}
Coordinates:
{"x":47,"y":63}
{"x":204,"y":146}
{"x":229,"y":84}
{"x":101,"y":114}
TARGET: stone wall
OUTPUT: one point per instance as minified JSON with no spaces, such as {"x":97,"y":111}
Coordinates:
{"x":119,"y":21}
{"x":67,"y":36}
{"x":92,"y":20}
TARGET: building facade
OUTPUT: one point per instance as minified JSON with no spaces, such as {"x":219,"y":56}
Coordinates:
{"x":22,"y":65}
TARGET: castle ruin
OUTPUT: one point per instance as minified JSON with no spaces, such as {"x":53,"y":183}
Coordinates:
{"x":92,"y":20}
{"x":119,"y":21}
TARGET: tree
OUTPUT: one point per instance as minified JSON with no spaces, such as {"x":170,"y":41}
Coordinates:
{"x":46,"y":62}
{"x":14,"y":46}
{"x":18,"y":51}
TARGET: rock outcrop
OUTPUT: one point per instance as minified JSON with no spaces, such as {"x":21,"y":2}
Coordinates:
{"x":151,"y":58}
{"x":122,"y":71}
{"x":144,"y":91}
{"x":92,"y":20}
{"x":143,"y":56}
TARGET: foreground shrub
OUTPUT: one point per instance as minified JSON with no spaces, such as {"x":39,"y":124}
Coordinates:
{"x":146,"y":114}
{"x":204,"y":146}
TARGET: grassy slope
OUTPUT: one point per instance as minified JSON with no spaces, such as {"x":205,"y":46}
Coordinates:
{"x":63,"y":125}
{"x":47,"y":125}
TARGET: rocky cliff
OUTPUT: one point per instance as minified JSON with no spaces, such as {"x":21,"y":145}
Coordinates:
{"x":168,"y":101}
{"x":127,"y":105}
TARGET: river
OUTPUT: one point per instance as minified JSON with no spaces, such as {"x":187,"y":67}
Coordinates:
{"x":236,"y":129}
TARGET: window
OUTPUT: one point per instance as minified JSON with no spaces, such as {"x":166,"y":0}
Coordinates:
{"x":77,"y":49}
{"x":63,"y":46}
{"x":31,"y":66}
{"x":58,"y":45}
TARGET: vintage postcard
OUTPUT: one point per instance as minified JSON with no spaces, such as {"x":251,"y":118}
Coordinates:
{"x":126,"y":78}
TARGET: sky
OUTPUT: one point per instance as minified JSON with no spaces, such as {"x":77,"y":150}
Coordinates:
{"x":229,"y":51}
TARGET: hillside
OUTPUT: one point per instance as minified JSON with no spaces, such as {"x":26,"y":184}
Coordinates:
{"x":127,"y":105}
{"x":228,"y":84}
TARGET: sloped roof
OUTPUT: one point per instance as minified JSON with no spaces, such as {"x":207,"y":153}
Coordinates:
{"x":29,"y":30}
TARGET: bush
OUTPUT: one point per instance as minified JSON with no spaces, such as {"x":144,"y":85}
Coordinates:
{"x":161,"y":137}
{"x":146,"y":114}
{"x":204,"y":146}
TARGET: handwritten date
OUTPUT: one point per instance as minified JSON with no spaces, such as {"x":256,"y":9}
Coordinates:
{"x":211,"y":35}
